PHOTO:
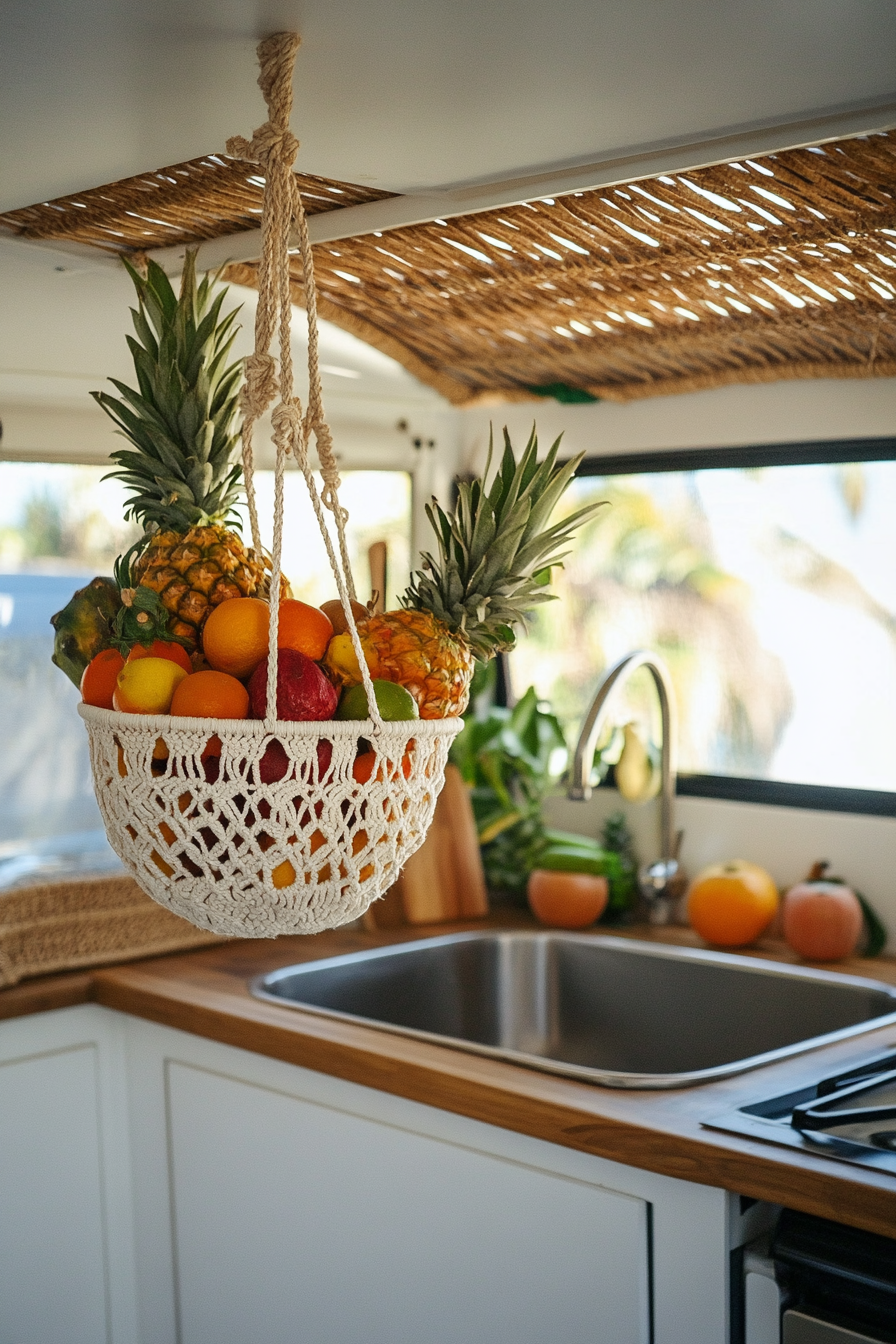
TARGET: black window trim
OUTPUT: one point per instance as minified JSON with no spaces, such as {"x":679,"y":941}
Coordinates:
{"x":740,"y":789}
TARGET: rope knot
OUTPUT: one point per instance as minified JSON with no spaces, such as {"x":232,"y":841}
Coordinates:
{"x":260,"y":387}
{"x":268,"y":146}
{"x":287,"y":422}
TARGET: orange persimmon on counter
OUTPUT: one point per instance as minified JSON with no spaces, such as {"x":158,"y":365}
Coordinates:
{"x":731,"y":904}
{"x":567,"y":900}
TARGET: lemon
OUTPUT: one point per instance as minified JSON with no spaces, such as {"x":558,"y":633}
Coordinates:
{"x":147,"y":685}
{"x":392,"y":700}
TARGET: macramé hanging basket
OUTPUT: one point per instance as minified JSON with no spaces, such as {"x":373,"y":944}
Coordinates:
{"x":274,"y":834}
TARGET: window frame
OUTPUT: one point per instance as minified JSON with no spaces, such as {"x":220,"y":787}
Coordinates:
{"x":738,"y":788}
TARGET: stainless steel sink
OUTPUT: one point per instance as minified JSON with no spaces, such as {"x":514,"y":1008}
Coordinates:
{"x":605,"y":1010}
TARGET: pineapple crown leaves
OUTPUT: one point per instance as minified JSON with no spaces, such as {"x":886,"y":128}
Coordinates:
{"x":496,"y":549}
{"x":181,"y":418}
{"x":140,"y":619}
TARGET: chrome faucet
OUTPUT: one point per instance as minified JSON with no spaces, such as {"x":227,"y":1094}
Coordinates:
{"x":663,"y":881}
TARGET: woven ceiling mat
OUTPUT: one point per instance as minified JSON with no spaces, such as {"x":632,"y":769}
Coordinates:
{"x":775,"y":268}
{"x":189,"y":202}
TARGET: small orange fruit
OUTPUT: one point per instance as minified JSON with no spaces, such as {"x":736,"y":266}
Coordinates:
{"x":303,"y":628}
{"x":566,"y":900}
{"x":146,"y":686}
{"x":211,"y":695}
{"x":336,"y":613}
{"x":731,"y":904}
{"x":99,"y":678}
{"x":235,"y":636}
{"x":365,"y":762}
{"x":283,"y":875}
{"x":363,"y":766}
{"x":162,"y":648}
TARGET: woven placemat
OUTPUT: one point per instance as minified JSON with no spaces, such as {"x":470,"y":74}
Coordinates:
{"x":62,"y":926}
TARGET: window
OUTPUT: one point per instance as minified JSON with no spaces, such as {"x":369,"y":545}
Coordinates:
{"x":59,"y":526}
{"x":767,"y":581}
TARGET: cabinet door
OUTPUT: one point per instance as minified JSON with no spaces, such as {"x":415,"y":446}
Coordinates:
{"x":300,"y":1224}
{"x":52,"y":1270}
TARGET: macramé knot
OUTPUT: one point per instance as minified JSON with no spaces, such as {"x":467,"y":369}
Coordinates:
{"x":267,"y":146}
{"x":260,"y":387}
{"x":287,"y":423}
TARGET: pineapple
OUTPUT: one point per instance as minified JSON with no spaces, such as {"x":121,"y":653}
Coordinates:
{"x":495,"y":552}
{"x":184,"y":467}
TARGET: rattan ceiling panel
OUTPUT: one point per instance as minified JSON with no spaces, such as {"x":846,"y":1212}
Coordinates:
{"x":782,"y":267}
{"x":775,"y":268}
{"x":189,"y":202}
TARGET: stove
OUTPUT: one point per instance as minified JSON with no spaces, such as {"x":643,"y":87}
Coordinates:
{"x":849,"y":1115}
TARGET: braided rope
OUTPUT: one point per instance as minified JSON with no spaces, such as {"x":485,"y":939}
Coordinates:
{"x":275,"y":147}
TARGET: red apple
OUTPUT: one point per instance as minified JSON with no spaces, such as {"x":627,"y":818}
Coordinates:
{"x":822,"y":920}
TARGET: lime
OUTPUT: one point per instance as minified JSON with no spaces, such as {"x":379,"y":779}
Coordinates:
{"x":392,"y":700}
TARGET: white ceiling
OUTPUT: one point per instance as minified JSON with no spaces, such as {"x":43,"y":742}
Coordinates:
{"x":416,"y":94}
{"x":62,"y":335}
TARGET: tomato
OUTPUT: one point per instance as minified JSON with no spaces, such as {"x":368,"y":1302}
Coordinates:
{"x":162,"y":648}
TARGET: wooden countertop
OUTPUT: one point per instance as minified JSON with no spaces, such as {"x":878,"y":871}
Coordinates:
{"x":206,"y":992}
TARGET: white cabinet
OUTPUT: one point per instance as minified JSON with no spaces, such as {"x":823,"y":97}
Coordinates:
{"x":301,"y":1222}
{"x":66,"y":1275}
{"x":159,"y":1188}
{"x":277,"y":1203}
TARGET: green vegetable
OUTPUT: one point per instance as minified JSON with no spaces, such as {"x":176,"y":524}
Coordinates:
{"x":511,"y":758}
{"x":574,"y":861}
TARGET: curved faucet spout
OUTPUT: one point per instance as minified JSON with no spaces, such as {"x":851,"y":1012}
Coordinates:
{"x":596,"y":718}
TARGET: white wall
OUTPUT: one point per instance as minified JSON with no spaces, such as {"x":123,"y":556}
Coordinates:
{"x":759,"y":413}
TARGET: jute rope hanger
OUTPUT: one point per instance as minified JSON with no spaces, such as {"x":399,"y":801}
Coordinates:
{"x":274,"y":147}
{"x":248,"y":849}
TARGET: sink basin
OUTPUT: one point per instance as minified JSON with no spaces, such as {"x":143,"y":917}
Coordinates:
{"x":601,"y":1009}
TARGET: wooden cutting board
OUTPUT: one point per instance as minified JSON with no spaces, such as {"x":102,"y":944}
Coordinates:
{"x":444,"y":880}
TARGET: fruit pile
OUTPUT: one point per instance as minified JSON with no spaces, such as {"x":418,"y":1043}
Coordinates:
{"x":183,"y":627}
{"x":228,"y":677}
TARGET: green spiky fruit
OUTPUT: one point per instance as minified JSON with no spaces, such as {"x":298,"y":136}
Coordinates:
{"x":85,"y":626}
{"x":495,"y":552}
{"x":182,"y":468}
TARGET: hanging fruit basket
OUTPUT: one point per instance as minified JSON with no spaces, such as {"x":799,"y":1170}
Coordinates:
{"x":207,"y":837}
{"x":261,"y":827}
{"x":272,"y":825}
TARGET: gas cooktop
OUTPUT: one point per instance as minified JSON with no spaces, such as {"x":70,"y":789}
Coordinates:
{"x":850,"y":1115}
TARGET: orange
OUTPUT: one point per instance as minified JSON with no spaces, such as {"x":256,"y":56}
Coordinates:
{"x":235,"y":637}
{"x":365,"y":762}
{"x":162,"y":648}
{"x":363,"y":766}
{"x":146,"y":686}
{"x":98,"y":681}
{"x":211,"y":695}
{"x":731,"y":904}
{"x":303,"y":628}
